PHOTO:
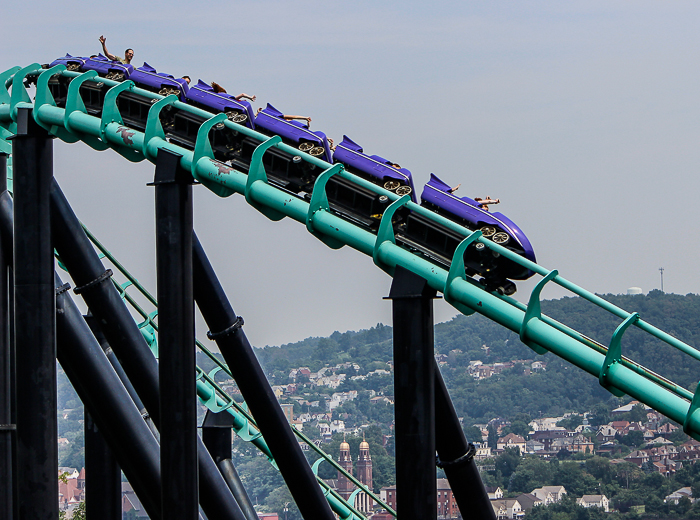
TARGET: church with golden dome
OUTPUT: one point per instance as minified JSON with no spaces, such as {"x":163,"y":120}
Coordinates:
{"x":345,"y":488}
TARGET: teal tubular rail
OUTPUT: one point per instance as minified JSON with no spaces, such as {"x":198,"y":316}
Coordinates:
{"x":543,"y":334}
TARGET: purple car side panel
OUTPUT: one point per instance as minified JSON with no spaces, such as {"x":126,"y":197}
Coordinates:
{"x":203,"y":94}
{"x":104,"y":66}
{"x":149,"y":77}
{"x":436,"y":192}
{"x":352,"y":155}
{"x":272,"y":120}
{"x":69,"y":60}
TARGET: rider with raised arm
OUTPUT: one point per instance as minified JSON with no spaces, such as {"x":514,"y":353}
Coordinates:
{"x":128,"y":54}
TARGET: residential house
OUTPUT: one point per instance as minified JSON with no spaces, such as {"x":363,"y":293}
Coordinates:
{"x":72,"y":490}
{"x":528,"y":501}
{"x":482,"y":453}
{"x":600,"y":501}
{"x":605,"y":433}
{"x":507,"y":509}
{"x":638,"y":457}
{"x":495,"y":493}
{"x":547,"y":437}
{"x":534,"y":447}
{"x":628,"y":408}
{"x":446,"y":503}
{"x":666,"y":430}
{"x":131,"y":502}
{"x":675,"y":497}
{"x":549,"y":494}
{"x":546,"y":423}
{"x":511,"y":441}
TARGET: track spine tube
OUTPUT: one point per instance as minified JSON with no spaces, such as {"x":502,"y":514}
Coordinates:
{"x":176,"y":340}
{"x":216,"y":435}
{"x":102,"y":475}
{"x":414,"y":390}
{"x":7,"y":425}
{"x":35,"y":322}
{"x":452,"y":445}
{"x":118,"y":326}
{"x":248,"y":374}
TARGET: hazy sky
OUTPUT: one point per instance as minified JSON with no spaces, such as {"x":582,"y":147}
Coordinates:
{"x":581,"y":117}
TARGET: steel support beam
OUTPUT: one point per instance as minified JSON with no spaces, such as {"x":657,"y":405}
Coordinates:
{"x":176,"y":348}
{"x":104,"y":301}
{"x":217,"y":436}
{"x":35,"y":327}
{"x":414,"y":390}
{"x":7,"y":425}
{"x":456,"y":456}
{"x":225,"y":328}
{"x":109,"y":405}
{"x":102,"y":475}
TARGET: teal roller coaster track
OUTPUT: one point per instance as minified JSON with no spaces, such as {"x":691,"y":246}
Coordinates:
{"x":72,"y":123}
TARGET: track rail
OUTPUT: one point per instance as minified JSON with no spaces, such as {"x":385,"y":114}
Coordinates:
{"x":615,"y":372}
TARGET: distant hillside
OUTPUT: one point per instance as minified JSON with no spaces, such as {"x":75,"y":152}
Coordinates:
{"x":561,"y":388}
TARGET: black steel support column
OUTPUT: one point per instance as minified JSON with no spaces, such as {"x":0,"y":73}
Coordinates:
{"x":86,"y":269}
{"x":6,"y":368}
{"x":457,"y":457}
{"x":103,"y":482}
{"x":110,"y":407}
{"x":226,"y":329}
{"x":217,"y":436}
{"x":35,"y":313}
{"x":97,"y":386}
{"x":176,"y":348}
{"x":414,"y":391}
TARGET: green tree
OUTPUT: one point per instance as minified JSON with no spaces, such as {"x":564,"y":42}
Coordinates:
{"x":634,"y":439}
{"x":507,"y":462}
{"x":79,"y":512}
{"x":493,"y":436}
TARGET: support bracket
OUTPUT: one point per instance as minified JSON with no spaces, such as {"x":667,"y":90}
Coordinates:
{"x":111,"y":114}
{"x":458,"y":271}
{"x":5,"y":98}
{"x":534,"y":311}
{"x":154,"y":128}
{"x":385,"y":233}
{"x":614,"y":354}
{"x":256,"y":173}
{"x":74,"y":103}
{"x":19,"y":92}
{"x":319,"y":202}
{"x":203,"y":149}
{"x":692,"y":412}
{"x":45,"y":98}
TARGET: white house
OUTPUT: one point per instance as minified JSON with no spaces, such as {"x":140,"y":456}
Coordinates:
{"x":600,"y":501}
{"x":549,"y":494}
{"x":508,"y":508}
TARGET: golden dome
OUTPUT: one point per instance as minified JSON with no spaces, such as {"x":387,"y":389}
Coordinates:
{"x":364,"y":445}
{"x":344,"y":446}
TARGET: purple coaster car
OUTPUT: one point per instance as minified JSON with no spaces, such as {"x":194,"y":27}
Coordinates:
{"x":73,"y":63}
{"x":203,"y":95}
{"x":164,"y":84}
{"x":107,"y":68}
{"x":374,"y":168}
{"x":494,"y":226}
{"x":313,"y":143}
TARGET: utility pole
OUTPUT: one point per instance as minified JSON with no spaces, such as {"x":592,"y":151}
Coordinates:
{"x":661,"y":270}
